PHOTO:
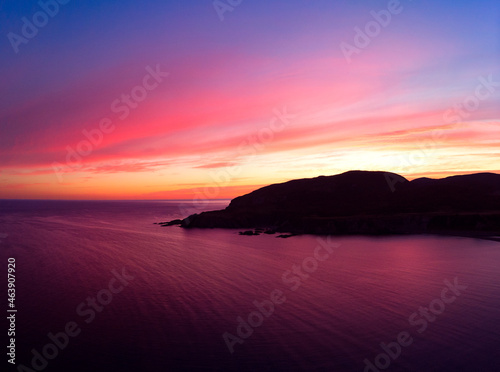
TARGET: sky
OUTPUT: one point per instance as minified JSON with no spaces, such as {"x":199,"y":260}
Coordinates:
{"x":212,"y":99}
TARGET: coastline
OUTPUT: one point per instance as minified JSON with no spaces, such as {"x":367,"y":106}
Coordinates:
{"x":475,"y":225}
{"x":361,"y":203}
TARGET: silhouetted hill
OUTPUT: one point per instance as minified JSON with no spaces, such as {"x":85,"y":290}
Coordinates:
{"x":360,"y":202}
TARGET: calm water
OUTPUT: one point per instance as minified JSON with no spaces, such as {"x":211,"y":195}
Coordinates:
{"x":190,"y":286}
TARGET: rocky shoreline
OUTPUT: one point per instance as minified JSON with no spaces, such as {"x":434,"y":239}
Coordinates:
{"x":362,"y":203}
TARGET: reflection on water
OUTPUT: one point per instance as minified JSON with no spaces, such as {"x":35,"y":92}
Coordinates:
{"x":331,"y":310}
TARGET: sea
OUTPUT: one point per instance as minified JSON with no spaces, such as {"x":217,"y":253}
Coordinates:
{"x":98,"y":286}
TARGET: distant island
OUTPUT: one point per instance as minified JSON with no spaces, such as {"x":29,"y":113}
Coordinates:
{"x":363,"y":202}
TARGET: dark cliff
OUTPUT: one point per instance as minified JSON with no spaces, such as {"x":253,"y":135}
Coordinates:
{"x":360,"y":202}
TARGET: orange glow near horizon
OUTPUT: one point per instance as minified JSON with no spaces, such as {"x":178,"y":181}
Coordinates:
{"x":436,"y":152}
{"x":237,"y":117}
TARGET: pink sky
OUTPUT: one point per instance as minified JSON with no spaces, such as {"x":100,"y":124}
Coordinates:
{"x":214,"y":122}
